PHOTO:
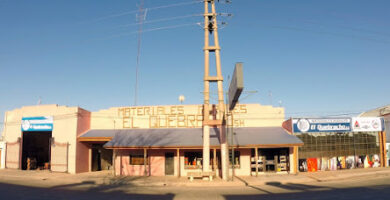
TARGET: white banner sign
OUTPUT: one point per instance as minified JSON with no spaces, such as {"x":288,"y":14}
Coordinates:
{"x":364,"y":124}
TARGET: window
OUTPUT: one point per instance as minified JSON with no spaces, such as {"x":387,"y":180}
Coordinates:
{"x":193,"y":159}
{"x":137,"y":159}
{"x":236,"y":158}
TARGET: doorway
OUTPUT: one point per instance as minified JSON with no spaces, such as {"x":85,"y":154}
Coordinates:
{"x":271,"y":160}
{"x":36,"y":150}
{"x":101,"y":158}
{"x":169,"y":163}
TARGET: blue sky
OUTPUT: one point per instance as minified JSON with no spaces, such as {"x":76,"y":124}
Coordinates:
{"x":318,"y":58}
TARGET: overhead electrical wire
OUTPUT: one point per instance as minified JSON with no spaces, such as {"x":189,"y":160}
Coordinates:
{"x":326,"y":33}
{"x":150,"y":30}
{"x":162,"y":20}
{"x":151,"y":8}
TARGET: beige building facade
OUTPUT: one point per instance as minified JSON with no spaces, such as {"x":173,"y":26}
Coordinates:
{"x":153,"y":140}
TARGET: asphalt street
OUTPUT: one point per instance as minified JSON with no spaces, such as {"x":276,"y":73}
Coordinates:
{"x":375,"y":187}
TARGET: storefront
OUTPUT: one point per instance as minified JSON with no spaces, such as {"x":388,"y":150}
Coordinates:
{"x":44,"y":137}
{"x":384,"y":112}
{"x":176,"y":152}
{"x":339,"y":143}
{"x":145,"y":140}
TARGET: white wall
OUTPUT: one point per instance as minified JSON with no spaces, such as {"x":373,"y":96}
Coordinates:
{"x":2,"y":155}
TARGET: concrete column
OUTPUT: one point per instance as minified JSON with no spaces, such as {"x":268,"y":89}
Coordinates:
{"x":178,"y":162}
{"x":386,"y":163}
{"x":224,"y":155}
{"x":215,"y":160}
{"x":257,"y":161}
{"x":145,"y":162}
{"x":113,"y":161}
{"x":120,"y":164}
{"x":206,"y":148}
{"x":90,"y":158}
{"x":293,"y":151}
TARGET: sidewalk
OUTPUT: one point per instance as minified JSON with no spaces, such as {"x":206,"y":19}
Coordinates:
{"x":106,"y":178}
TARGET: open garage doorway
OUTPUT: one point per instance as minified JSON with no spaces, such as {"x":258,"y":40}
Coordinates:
{"x":36,"y":150}
{"x":101,"y":158}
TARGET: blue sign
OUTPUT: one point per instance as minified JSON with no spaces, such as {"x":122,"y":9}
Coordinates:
{"x":37,"y":123}
{"x":304,"y":125}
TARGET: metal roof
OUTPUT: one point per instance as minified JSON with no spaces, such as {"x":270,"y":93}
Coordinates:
{"x":192,"y":137}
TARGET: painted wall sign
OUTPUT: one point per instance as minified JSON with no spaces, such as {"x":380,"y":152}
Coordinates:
{"x":168,"y":117}
{"x":304,"y":125}
{"x":364,"y":124}
{"x":37,"y":123}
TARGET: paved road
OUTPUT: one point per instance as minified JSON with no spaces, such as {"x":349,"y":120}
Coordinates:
{"x":375,"y":187}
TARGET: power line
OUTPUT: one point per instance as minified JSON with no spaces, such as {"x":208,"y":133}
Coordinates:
{"x":326,"y":33}
{"x":162,"y":20}
{"x":150,"y":30}
{"x":151,"y":8}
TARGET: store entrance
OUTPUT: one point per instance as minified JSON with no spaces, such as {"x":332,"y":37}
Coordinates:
{"x":36,"y":150}
{"x":101,"y":158}
{"x":271,"y":160}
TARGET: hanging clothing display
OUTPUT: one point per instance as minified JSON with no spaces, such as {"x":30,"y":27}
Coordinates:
{"x":350,"y":161}
{"x":376,"y":161}
{"x":302,"y":165}
{"x":312,"y":164}
{"x":333,"y":164}
{"x":366,"y":162}
{"x":324,"y":163}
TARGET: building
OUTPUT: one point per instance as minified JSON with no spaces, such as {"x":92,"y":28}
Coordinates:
{"x":385,"y":113}
{"x":2,"y":155}
{"x":146,"y":140}
{"x":339,"y":143}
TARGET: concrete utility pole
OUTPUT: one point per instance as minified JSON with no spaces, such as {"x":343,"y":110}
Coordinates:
{"x":217,"y":120}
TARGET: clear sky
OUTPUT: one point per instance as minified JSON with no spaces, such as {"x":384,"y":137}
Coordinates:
{"x":317,"y":58}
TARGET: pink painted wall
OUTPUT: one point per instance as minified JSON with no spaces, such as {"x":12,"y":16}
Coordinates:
{"x":156,"y":159}
{"x":123,"y":167}
{"x":82,"y":150}
{"x":157,"y":162}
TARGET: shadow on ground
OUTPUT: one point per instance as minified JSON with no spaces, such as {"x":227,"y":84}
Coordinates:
{"x":116,"y":188}
{"x":310,"y":192}
{"x":124,"y":188}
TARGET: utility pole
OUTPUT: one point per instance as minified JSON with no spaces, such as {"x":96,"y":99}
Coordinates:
{"x":217,"y":119}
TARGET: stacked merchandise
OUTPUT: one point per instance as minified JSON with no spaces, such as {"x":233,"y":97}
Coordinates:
{"x":283,"y":163}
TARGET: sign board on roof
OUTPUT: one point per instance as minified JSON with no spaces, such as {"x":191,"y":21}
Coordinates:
{"x":304,"y":125}
{"x":37,"y":123}
{"x":365,"y":124}
{"x":236,"y":86}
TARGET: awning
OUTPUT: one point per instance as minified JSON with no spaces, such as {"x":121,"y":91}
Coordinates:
{"x":97,"y":136}
{"x":266,"y":137}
